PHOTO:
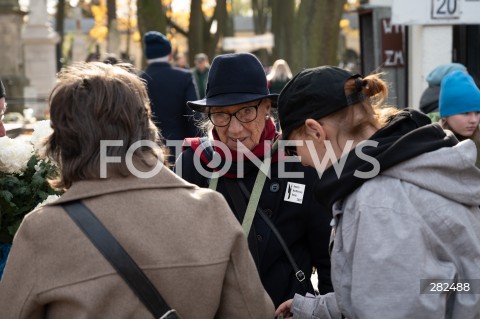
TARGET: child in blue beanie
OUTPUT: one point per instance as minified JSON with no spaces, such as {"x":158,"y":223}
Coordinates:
{"x":460,"y":107}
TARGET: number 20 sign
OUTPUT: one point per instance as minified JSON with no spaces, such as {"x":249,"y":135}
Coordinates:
{"x":445,"y":9}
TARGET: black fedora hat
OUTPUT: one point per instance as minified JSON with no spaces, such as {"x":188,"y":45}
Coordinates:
{"x":234,"y":79}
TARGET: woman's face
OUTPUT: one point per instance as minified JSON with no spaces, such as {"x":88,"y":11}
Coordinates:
{"x":464,"y":124}
{"x":247,"y":133}
{"x":309,"y":147}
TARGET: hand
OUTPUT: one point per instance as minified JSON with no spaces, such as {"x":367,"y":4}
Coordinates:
{"x":283,"y":311}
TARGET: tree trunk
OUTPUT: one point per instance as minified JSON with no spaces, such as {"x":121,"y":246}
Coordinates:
{"x":325,"y":47}
{"x":222,"y":17}
{"x":261,"y":12}
{"x":317,"y":26}
{"x":283,"y":17}
{"x":60,"y":18}
{"x":112,"y":26}
{"x":199,"y":37}
{"x":196,"y":30}
{"x":111,"y":12}
{"x":150,"y":17}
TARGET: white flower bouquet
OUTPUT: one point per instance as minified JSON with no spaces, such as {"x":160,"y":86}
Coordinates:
{"x":24,"y":174}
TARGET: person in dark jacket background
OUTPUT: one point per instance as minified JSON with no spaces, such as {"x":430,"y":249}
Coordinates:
{"x":238,"y":108}
{"x":169,"y":89}
{"x":200,"y":73}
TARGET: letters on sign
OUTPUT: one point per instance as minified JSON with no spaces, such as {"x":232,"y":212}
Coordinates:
{"x":392,"y":44}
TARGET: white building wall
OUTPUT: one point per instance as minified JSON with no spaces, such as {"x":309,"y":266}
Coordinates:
{"x":429,"y":46}
{"x":39,"y":41}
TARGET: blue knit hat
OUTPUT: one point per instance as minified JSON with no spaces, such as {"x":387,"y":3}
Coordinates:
{"x":458,"y":94}
{"x":435,"y":77}
{"x":156,"y":45}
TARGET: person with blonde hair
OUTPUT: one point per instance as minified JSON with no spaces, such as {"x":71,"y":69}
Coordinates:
{"x":278,"y":76}
{"x":404,"y":195}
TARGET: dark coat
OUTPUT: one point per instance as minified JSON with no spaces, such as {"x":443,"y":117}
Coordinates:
{"x":304,"y":227}
{"x":169,"y":89}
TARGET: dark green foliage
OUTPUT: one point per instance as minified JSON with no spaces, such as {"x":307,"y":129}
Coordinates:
{"x":20,"y":194}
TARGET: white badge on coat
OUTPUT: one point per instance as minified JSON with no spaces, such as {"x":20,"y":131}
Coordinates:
{"x":294,"y":193}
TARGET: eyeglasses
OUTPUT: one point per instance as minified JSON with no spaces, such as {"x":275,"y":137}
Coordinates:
{"x":245,"y":115}
{"x":291,"y":150}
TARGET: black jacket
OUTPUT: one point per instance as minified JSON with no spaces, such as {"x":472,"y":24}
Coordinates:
{"x":304,"y":227}
{"x":169,"y":89}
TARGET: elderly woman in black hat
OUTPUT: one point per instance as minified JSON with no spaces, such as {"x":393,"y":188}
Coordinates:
{"x":270,"y":194}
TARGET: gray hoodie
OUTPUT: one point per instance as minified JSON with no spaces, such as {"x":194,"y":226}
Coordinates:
{"x":415,"y":222}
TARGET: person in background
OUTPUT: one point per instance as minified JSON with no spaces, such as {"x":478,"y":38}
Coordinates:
{"x":200,"y":73}
{"x":278,"y":76}
{"x":111,"y":58}
{"x":460,"y":107}
{"x":238,"y":109}
{"x":430,"y":96}
{"x":181,"y":61}
{"x":169,"y":89}
{"x":93,"y":57}
{"x":3,"y":109}
{"x":185,"y":239}
{"x":405,"y":198}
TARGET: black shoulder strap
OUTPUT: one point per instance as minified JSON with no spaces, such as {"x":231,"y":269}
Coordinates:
{"x":119,"y":259}
{"x":237,"y":199}
{"x":186,"y":159}
{"x":299,"y":274}
{"x":207,"y":146}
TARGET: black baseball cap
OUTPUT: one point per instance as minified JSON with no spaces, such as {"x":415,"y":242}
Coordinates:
{"x":315,"y":93}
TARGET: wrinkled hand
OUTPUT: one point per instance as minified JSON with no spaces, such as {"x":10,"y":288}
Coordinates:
{"x":283,"y":311}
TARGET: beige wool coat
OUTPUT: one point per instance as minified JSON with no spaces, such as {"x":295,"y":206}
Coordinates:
{"x":185,"y":238}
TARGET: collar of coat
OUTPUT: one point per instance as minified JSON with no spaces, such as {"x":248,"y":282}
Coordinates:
{"x":165,"y":178}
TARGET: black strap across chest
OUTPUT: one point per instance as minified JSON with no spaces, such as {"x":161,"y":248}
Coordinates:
{"x":119,"y":259}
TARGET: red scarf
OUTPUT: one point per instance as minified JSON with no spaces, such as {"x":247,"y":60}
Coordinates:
{"x":268,"y":137}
